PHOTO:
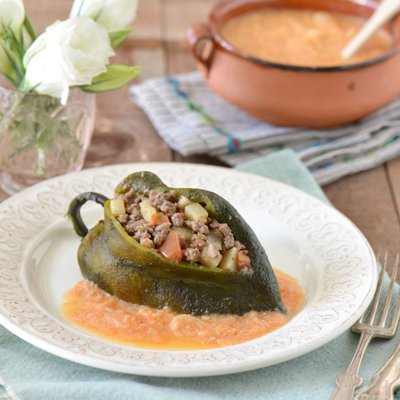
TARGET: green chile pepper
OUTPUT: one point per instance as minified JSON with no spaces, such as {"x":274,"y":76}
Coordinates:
{"x":118,"y":264}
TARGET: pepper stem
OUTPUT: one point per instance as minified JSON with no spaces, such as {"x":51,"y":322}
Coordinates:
{"x":74,"y":210}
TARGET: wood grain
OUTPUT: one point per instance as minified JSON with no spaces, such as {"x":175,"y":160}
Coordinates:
{"x":178,"y":60}
{"x":393,"y":171}
{"x":44,"y":12}
{"x":366,"y":198}
{"x":178,"y":15}
{"x":126,"y":139}
{"x":147,"y":25}
{"x":146,"y":28}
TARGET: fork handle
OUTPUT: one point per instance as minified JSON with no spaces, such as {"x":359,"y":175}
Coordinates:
{"x":385,"y":381}
{"x":348,"y":382}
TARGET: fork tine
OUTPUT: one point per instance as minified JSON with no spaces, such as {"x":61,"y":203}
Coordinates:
{"x":396,"y":313}
{"x":389,"y":293}
{"x":360,"y":321}
{"x":396,"y":317}
{"x":377,"y":295}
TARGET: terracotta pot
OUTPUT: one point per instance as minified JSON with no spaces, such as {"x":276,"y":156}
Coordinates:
{"x":289,"y":95}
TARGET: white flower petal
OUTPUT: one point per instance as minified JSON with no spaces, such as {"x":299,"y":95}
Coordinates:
{"x":69,"y":53}
{"x":12,"y":14}
{"x":112,"y":14}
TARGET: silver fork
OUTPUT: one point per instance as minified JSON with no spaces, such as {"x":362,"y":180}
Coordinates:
{"x":369,"y":328}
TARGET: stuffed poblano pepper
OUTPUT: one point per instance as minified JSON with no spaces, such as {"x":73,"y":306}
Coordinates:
{"x":185,"y":249}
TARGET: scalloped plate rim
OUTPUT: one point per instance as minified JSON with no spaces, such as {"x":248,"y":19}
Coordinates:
{"x":185,"y":370}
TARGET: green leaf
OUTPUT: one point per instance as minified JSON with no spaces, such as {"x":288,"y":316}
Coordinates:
{"x":115,"y":77}
{"x":117,"y":36}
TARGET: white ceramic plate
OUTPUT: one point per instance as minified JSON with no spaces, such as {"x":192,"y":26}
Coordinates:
{"x":304,"y":237}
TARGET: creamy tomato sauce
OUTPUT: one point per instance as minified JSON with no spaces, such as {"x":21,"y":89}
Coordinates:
{"x":302,"y":37}
{"x":92,"y":309}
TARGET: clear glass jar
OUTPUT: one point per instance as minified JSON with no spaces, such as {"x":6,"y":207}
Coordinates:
{"x":40,"y":138}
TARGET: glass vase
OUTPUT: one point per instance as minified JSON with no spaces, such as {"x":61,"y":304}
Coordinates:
{"x":40,"y":138}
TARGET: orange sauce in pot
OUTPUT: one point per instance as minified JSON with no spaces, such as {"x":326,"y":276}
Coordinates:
{"x":95,"y":311}
{"x":302,"y":37}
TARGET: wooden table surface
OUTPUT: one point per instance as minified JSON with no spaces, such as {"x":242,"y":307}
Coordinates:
{"x":124,"y":134}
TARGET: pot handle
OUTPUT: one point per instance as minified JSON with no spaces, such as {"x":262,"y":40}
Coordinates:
{"x":196,"y":34}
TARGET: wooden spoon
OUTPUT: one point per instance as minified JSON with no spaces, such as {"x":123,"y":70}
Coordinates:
{"x":386,"y":11}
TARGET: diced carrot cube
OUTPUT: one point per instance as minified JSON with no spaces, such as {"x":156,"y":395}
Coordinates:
{"x":171,"y":248}
{"x":243,"y":260}
{"x":158,"y":219}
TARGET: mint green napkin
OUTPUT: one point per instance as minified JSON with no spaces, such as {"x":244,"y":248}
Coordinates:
{"x":31,"y":374}
{"x":285,"y":166}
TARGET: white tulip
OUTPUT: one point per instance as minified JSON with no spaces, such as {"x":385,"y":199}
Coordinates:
{"x":112,"y":14}
{"x":12,"y":14}
{"x":69,"y":53}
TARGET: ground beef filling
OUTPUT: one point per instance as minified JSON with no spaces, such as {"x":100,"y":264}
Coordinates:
{"x":179,"y":229}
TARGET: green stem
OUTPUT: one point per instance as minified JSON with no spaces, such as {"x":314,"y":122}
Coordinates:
{"x":29,"y":28}
{"x":14,"y":50}
{"x":16,"y":66}
{"x":10,"y":76}
{"x":7,"y":117}
{"x":41,"y":167}
{"x":18,"y":42}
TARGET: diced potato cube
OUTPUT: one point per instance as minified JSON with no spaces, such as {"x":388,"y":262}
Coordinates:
{"x":229,"y":260}
{"x":185,"y":234}
{"x":183,"y":202}
{"x":215,"y":239}
{"x":117,"y":207}
{"x":195,"y":212}
{"x":210,"y":258}
{"x":147,"y":210}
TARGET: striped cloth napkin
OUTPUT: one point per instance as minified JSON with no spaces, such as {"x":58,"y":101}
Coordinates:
{"x":194,"y":120}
